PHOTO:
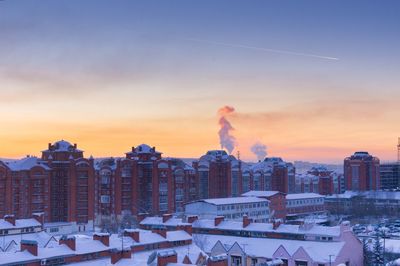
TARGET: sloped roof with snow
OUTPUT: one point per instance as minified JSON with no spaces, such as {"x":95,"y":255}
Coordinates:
{"x":19,"y":223}
{"x":230,"y":225}
{"x":266,"y":247}
{"x":157,"y":220}
{"x":26,"y":164}
{"x":234,"y":200}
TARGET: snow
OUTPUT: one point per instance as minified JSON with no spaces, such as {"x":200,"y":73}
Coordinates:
{"x":256,"y":193}
{"x":266,"y":247}
{"x":26,"y":163}
{"x":303,"y":196}
{"x":140,"y":258}
{"x":156,"y":220}
{"x":235,"y":200}
{"x":19,"y":223}
{"x":332,"y":231}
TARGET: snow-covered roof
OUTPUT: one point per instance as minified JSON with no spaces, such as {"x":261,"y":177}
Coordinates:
{"x":144,"y":149}
{"x":26,"y":163}
{"x":230,"y":225}
{"x":384,"y":195}
{"x":19,"y":223}
{"x":260,"y":193}
{"x":62,"y":146}
{"x":303,"y":196}
{"x":141,"y":258}
{"x":234,"y":200}
{"x":266,"y":247}
{"x":156,"y":220}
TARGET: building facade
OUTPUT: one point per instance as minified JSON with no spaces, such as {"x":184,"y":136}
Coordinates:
{"x":361,"y":172}
{"x":390,"y":175}
{"x":143,"y":182}
{"x":320,"y":180}
{"x":60,"y":185}
{"x":235,"y":208}
{"x":219,"y":175}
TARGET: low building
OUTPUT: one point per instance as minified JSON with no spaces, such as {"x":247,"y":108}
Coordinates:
{"x":303,"y":204}
{"x":255,"y":208}
{"x":360,"y":203}
{"x":277,"y":202}
{"x":157,"y":246}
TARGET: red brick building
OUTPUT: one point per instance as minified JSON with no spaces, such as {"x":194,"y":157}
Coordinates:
{"x":60,"y":184}
{"x":319,"y":180}
{"x":219,"y":175}
{"x":141,"y":182}
{"x":273,"y":174}
{"x":361,"y":171}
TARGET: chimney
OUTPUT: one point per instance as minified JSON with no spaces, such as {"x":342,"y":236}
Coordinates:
{"x":345,"y":226}
{"x":192,"y":219}
{"x":166,"y":257}
{"x":185,"y":227}
{"x":141,"y":216}
{"x":49,"y":146}
{"x":30,"y":245}
{"x":75,"y":146}
{"x":117,"y":255}
{"x":133,"y":149}
{"x":39,"y":216}
{"x":276,"y":224}
{"x":103,"y":238}
{"x":218,"y":220}
{"x":10,"y":218}
{"x":69,"y":241}
{"x":166,"y":217}
{"x":134,"y":234}
{"x":246,"y":221}
{"x":161,"y":231}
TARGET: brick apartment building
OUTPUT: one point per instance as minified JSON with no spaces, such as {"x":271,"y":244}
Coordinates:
{"x":143,"y":181}
{"x":273,"y":174}
{"x":320,"y":180}
{"x":60,"y":185}
{"x":361,"y":171}
{"x":219,"y":175}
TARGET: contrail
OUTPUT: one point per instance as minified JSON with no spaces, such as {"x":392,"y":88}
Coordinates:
{"x":262,"y":49}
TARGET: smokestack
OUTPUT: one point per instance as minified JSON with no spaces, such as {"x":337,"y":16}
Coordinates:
{"x":260,"y":150}
{"x":226,"y":140}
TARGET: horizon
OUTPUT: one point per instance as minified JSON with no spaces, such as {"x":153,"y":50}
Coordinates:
{"x":308,"y":81}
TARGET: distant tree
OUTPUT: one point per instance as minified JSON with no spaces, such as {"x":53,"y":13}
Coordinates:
{"x":377,"y":253}
{"x":367,"y":253}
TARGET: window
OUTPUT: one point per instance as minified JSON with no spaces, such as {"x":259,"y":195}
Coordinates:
{"x":300,"y":263}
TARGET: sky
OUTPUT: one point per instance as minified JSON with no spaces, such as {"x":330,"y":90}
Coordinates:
{"x":311,"y":80}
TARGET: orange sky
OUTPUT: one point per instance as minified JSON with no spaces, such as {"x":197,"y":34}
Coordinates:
{"x":111,"y":76}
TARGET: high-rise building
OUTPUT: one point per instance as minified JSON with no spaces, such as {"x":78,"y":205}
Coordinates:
{"x":143,"y":182}
{"x":320,"y":180}
{"x":273,"y":174}
{"x":60,"y":184}
{"x":390,"y":175}
{"x":219,"y":175}
{"x":361,"y":171}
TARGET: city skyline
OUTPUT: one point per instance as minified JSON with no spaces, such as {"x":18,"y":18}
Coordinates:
{"x":311,"y":81}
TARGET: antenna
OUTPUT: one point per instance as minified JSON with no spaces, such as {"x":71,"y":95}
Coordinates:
{"x":398,"y":151}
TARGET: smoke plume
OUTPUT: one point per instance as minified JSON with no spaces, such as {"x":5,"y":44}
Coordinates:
{"x":260,"y":150}
{"x":226,"y":139}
